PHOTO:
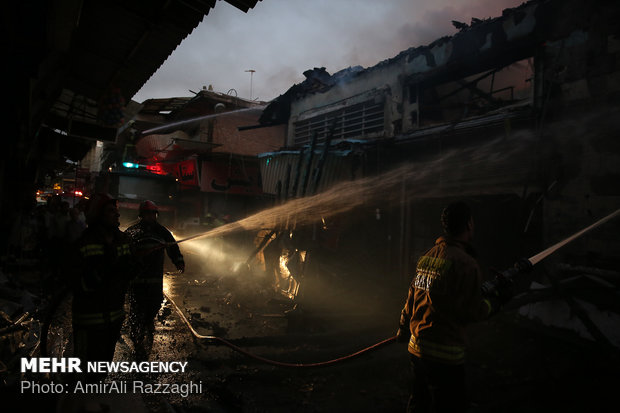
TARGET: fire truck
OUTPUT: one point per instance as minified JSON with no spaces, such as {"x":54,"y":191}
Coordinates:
{"x":132,"y":186}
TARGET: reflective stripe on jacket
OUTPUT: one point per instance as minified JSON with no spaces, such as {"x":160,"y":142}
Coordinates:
{"x":104,"y":267}
{"x":450,"y":353}
{"x":90,"y":250}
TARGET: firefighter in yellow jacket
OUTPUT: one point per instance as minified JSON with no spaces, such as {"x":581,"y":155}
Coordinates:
{"x":105,"y":267}
{"x":444,"y":296}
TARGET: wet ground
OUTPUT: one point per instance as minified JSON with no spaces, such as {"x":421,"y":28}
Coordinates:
{"x":514,"y":365}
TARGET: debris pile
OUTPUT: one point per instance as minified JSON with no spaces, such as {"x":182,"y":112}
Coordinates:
{"x":19,"y":326}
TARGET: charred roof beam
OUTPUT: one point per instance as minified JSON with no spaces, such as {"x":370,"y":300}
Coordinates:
{"x":476,"y":91}
{"x":472,"y":86}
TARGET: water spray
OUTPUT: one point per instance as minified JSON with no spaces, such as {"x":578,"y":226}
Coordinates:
{"x":344,"y":197}
{"x":421,"y":178}
{"x":521,"y":266}
{"x":168,"y":126}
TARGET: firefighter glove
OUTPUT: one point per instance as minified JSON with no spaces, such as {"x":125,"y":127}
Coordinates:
{"x":497,"y":292}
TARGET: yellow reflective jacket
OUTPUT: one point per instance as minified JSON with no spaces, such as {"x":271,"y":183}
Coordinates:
{"x":444,"y":296}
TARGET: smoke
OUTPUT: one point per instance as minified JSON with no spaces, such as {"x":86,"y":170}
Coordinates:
{"x":458,"y":172}
{"x":283,"y":75}
{"x":282,"y":39}
{"x":425,"y":23}
{"x":570,"y":152}
{"x":217,"y":255}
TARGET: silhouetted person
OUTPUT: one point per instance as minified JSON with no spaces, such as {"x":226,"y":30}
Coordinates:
{"x":150,"y":239}
{"x":105,"y":266}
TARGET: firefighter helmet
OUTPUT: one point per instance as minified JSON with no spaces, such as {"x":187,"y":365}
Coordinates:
{"x":96,"y":206}
{"x":148,"y":206}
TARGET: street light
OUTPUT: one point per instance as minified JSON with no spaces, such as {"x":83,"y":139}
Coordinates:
{"x":251,"y":75}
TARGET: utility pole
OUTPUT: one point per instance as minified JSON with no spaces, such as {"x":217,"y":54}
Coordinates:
{"x":251,"y":75}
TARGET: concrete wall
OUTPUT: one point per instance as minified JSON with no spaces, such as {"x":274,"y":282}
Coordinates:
{"x":582,"y":73}
{"x":381,"y":83}
{"x":488,"y":45}
{"x":570,"y":157}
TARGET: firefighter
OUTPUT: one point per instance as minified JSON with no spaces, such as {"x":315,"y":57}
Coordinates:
{"x":444,"y":296}
{"x":150,"y":239}
{"x":105,"y":266}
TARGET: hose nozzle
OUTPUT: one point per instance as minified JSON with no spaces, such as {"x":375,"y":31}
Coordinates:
{"x":522,"y":266}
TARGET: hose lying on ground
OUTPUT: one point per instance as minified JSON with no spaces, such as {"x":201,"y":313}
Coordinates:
{"x":531,"y":261}
{"x":238,"y":349}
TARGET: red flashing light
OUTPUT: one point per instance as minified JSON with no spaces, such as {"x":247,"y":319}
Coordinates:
{"x":156,"y":169}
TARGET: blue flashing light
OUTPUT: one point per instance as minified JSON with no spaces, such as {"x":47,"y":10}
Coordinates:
{"x":130,"y":165}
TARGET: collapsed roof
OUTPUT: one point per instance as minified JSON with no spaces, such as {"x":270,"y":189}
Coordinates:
{"x":481,"y":45}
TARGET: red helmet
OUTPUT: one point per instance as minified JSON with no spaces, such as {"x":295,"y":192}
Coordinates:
{"x":148,"y":206}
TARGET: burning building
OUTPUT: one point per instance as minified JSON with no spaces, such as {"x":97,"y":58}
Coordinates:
{"x":517,"y":114}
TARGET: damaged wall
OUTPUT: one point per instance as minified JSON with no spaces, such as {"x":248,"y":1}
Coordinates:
{"x":397,"y":83}
{"x":581,"y":73}
{"x":543,"y":77}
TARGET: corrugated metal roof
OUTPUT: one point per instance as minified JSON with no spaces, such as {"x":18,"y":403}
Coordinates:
{"x":155,"y":106}
{"x":274,"y":166}
{"x":98,"y":46}
{"x":124,"y":43}
{"x":493,"y":135}
{"x":484,"y":121}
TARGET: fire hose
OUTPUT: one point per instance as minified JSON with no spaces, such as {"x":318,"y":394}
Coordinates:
{"x":521,"y":266}
{"x":238,"y":349}
{"x":526,"y":264}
